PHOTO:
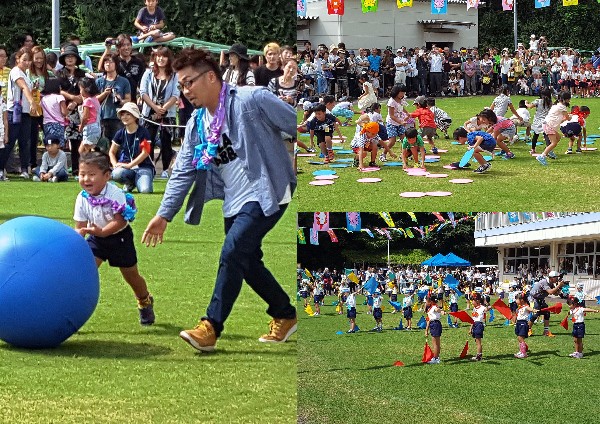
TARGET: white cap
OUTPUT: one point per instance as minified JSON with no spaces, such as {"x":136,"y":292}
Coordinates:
{"x":553,"y":274}
{"x":532,"y":36}
{"x":579,"y":285}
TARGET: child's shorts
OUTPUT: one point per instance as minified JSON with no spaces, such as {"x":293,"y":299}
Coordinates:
{"x":343,"y":112}
{"x":522,"y":329}
{"x":395,"y":130}
{"x":443,"y":124}
{"x":91,"y":134}
{"x":435,"y":328}
{"x":303,"y":294}
{"x":579,"y":330}
{"x":321,"y":135}
{"x":382,"y":133}
{"x":571,"y":129}
{"x":351,"y":313}
{"x":317,"y":298}
{"x":118,"y":249}
{"x":478,"y":330}
{"x":488,"y":146}
{"x":513,"y":306}
{"x":454,"y":307}
{"x":377,"y":314}
{"x":394,"y":297}
{"x":428,"y":132}
{"x":548,"y":130}
{"x":509,"y":132}
{"x":55,"y":130}
{"x":408,"y":313}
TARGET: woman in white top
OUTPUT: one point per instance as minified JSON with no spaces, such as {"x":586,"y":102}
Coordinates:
{"x":368,"y":97}
{"x":238,"y":73}
{"x":19,"y":100}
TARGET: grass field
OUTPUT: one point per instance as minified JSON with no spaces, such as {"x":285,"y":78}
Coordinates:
{"x":114,"y":371}
{"x":350,"y":378}
{"x":514,"y":184}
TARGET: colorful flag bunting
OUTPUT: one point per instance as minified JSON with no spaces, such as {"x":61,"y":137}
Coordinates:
{"x":314,"y":237}
{"x":409,"y":3}
{"x":335,"y":7}
{"x":451,"y":217}
{"x":301,"y":238}
{"x":438,"y":216}
{"x":409,"y":233}
{"x":353,"y":221}
{"x":369,"y":6}
{"x":472,"y":4}
{"x":412,"y":216}
{"x":507,"y":4}
{"x":321,"y":221}
{"x":387,"y":218}
{"x":387,"y":234}
{"x":366,"y":230}
{"x":513,"y":217}
{"x":570,"y":2}
{"x":301,"y":8}
{"x":439,"y":7}
{"x":332,"y":236}
{"x":541,"y":3}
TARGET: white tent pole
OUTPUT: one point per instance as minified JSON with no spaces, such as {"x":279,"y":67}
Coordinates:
{"x":55,"y":24}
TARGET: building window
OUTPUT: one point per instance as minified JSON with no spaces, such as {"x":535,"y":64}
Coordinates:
{"x":522,"y":261}
{"x":579,"y":259}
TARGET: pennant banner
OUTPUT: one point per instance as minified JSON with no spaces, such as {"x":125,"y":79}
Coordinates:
{"x":412,"y":216}
{"x":387,"y":218}
{"x":565,"y":323}
{"x":409,"y":3}
{"x":371,"y":285}
{"x":472,"y":4}
{"x":353,"y":221}
{"x":366,"y":230}
{"x":507,"y":4}
{"x":438,"y":216}
{"x":465,"y":350}
{"x":570,"y":2}
{"x":352,"y":277}
{"x":463,"y":316}
{"x":439,"y":7}
{"x":301,"y":8}
{"x":332,"y":236}
{"x":542,"y":3}
{"x":301,"y":239}
{"x":314,"y":237}
{"x":335,"y":7}
{"x":369,"y":6}
{"x":321,"y":221}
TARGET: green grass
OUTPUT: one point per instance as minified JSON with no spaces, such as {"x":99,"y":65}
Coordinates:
{"x":114,"y":371}
{"x":350,"y":378}
{"x":515,"y":184}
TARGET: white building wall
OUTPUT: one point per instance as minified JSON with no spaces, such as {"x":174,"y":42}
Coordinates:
{"x":389,"y":26}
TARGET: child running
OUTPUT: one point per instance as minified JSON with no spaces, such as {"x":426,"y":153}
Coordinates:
{"x":351,"y":311}
{"x":365,"y":141}
{"x":479,"y":141}
{"x":542,"y":106}
{"x":412,"y":144}
{"x":441,"y":118}
{"x":322,"y":126}
{"x":556,"y":116}
{"x":377,"y":312}
{"x":577,"y":313}
{"x":434,"y":326}
{"x":103,"y":213}
{"x":522,"y":327}
{"x":476,"y":330}
{"x":396,"y":117}
{"x":426,"y":122}
{"x":343,"y":110}
{"x":90,"y":115}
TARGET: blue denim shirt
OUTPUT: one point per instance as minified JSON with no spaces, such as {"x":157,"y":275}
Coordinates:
{"x":256,"y":118}
{"x":171,"y":90}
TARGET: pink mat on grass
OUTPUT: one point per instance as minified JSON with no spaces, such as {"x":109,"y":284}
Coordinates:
{"x":321,"y":182}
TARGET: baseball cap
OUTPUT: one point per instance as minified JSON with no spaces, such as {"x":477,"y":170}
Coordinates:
{"x":419,"y":99}
{"x":553,"y":274}
{"x":51,"y":140}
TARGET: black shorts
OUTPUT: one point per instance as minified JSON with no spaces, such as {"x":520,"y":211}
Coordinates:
{"x":522,"y":328}
{"x":377,"y":314}
{"x":408,"y":313}
{"x":540,"y":304}
{"x":478,"y":330}
{"x":440,"y":296}
{"x":579,"y":330}
{"x":513,"y":306}
{"x":317,"y":298}
{"x":303,"y":294}
{"x":394,"y":297}
{"x":435,"y":328}
{"x":351,"y":313}
{"x":118,"y":249}
{"x":382,"y":133}
{"x":454,"y":307}
{"x":321,"y":136}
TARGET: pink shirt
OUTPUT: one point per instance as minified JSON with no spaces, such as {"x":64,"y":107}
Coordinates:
{"x":93,"y":105}
{"x":51,"y":108}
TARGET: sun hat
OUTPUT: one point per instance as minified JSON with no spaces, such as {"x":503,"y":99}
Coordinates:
{"x":371,"y":127}
{"x":131,"y":108}
{"x":70,"y":50}
{"x":239,"y":50}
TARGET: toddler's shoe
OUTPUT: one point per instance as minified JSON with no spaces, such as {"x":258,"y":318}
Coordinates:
{"x":146,"y":310}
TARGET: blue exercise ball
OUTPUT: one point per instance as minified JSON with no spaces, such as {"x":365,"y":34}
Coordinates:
{"x":49,"y":285}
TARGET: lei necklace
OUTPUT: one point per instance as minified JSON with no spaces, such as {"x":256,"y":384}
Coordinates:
{"x":127,"y":209}
{"x":205,"y":152}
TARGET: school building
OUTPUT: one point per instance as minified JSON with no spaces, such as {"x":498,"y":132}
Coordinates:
{"x":567,"y":242}
{"x":411,"y":27}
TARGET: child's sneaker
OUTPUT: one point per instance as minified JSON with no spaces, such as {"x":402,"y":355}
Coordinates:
{"x":548,"y":334}
{"x":435,"y":150}
{"x":578,"y":151}
{"x":146,"y":310}
{"x":520,"y":355}
{"x":35,"y":179}
{"x":54,"y":179}
{"x":483,"y":168}
{"x":321,"y":155}
{"x":551,"y":154}
{"x":310,"y":150}
{"x":355,"y":163}
{"x":477,"y":357}
{"x":202,"y":337}
{"x":579,"y":355}
{"x":326,"y":160}
{"x":541,"y":159}
{"x":434,"y":361}
{"x":569,"y":151}
{"x":280,"y":329}
{"x":574,"y":354}
{"x":372,"y":164}
{"x":331,"y":156}
{"x":510,"y":155}
{"x":2,"y":176}
{"x":382,"y":158}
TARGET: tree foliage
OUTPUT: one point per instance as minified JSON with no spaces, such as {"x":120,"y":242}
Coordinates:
{"x":251,"y":22}
{"x":563,"y":26}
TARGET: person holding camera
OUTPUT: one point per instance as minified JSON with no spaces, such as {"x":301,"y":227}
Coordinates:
{"x":540,"y":290}
{"x":114,"y":93}
{"x":129,"y":66}
{"x":160,"y":95}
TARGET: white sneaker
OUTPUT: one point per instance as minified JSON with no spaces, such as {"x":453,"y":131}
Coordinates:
{"x":164,"y":174}
{"x":434,"y":361}
{"x":574,"y":354}
{"x":54,"y":179}
{"x":36,"y":179}
{"x":520,"y":355}
{"x":579,"y":355}
{"x":25,"y":175}
{"x":382,"y":158}
{"x":2,"y":176}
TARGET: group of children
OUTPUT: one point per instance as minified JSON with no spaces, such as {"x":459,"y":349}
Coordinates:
{"x":521,"y":318}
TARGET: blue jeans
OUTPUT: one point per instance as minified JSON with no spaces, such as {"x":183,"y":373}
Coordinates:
{"x":22,"y":132}
{"x":60,"y":175}
{"x":141,"y":178}
{"x":241,"y":259}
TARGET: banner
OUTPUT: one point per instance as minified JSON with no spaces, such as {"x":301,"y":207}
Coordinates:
{"x":438,"y":216}
{"x":314,"y":237}
{"x":542,"y":3}
{"x":472,"y":4}
{"x":353,"y":221}
{"x":409,"y":3}
{"x":332,"y":236}
{"x":439,"y":7}
{"x":570,"y":2}
{"x":369,"y":6}
{"x":301,"y":8}
{"x":513,"y":217}
{"x":507,"y":4}
{"x":387,"y":218}
{"x":335,"y":7}
{"x":301,"y":239}
{"x":321,"y":221}
{"x":412,"y":216}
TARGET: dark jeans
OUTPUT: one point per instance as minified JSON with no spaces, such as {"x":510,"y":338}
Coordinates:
{"x":435,"y":83}
{"x":241,"y":259}
{"x":21,"y":132}
{"x":110,"y":128}
{"x":422,"y":84}
{"x":36,"y":126}
{"x":166,"y":139}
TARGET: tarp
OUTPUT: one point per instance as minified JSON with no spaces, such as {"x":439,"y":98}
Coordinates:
{"x":432,"y":259}
{"x":453,"y":260}
{"x":96,"y":49}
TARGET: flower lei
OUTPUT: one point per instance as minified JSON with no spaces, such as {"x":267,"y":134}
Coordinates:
{"x":205,"y":152}
{"x":128,"y":209}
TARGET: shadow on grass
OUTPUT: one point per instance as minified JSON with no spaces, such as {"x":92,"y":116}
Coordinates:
{"x":161,"y":329}
{"x":100,"y":349}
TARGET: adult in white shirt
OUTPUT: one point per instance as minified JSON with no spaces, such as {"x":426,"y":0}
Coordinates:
{"x":533,"y":43}
{"x":568,"y":59}
{"x":435,"y":72}
{"x":401,"y":64}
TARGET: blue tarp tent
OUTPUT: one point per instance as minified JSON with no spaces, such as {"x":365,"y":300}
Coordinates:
{"x":452,"y":260}
{"x":432,"y":259}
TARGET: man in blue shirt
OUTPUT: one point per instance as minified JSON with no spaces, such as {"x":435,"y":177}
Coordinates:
{"x":250,"y":169}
